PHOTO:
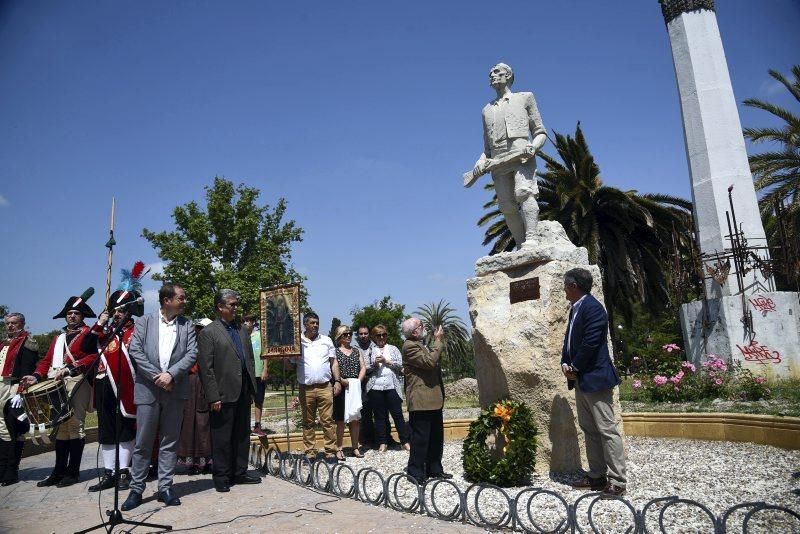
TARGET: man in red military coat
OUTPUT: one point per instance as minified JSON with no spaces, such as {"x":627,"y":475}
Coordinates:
{"x":67,"y":360}
{"x":18,"y":357}
{"x":114,"y":380}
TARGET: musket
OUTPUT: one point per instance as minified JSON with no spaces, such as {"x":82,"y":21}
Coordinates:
{"x":470,"y":177}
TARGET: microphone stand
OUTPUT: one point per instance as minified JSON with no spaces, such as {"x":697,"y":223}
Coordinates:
{"x":115,"y":516}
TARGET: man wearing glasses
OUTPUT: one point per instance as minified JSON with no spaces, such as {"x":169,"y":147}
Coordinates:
{"x":18,"y":357}
{"x":227,"y":370}
{"x":425,"y":396}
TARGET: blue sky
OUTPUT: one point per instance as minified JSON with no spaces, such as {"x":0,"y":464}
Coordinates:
{"x":363,"y":115}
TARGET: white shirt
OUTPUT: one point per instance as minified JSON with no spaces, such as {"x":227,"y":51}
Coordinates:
{"x":572,"y":321}
{"x":167,"y":334}
{"x":314,"y":365}
{"x":383,"y":376}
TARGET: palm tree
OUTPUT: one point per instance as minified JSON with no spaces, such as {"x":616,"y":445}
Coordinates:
{"x":625,"y":233}
{"x":498,"y":231}
{"x":457,"y":355}
{"x":777,"y":171}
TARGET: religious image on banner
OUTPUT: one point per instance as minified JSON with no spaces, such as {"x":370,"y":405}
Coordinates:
{"x":280,"y":321}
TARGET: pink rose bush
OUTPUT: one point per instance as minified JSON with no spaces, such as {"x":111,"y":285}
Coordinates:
{"x":676,"y":380}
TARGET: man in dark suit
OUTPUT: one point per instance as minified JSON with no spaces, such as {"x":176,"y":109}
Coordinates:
{"x":585,"y":360}
{"x":163,"y":349}
{"x":425,"y":397}
{"x":227,"y":371}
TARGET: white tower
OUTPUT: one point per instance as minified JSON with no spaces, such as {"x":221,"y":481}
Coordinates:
{"x":714,"y":142}
{"x":743,"y":318}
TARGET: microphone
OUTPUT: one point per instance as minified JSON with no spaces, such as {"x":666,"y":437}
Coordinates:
{"x":130,"y":304}
{"x":111,"y":325}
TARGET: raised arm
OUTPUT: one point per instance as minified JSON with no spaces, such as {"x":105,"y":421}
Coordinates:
{"x":416,"y":355}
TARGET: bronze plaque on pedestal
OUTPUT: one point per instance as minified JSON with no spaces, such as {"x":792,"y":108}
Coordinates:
{"x":522,"y":290}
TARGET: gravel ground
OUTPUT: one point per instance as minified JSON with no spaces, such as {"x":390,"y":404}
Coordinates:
{"x":716,"y":474}
{"x":466,"y":387}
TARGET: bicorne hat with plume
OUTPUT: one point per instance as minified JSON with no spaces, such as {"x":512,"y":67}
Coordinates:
{"x":77,"y":303}
{"x":129,"y":289}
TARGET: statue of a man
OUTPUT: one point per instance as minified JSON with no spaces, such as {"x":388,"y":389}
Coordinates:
{"x":512,"y":133}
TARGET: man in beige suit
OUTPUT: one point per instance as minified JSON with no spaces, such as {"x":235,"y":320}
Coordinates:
{"x":425,"y":397}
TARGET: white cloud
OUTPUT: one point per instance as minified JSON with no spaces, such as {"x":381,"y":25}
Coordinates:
{"x":156,"y":268}
{"x":3,"y":201}
{"x":771,"y":87}
{"x":150,"y":300}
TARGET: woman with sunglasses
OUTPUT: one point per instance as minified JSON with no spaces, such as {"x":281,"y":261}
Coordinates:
{"x":351,"y":365}
{"x":385,"y":388}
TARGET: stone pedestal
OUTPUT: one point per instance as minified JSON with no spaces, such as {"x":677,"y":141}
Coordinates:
{"x":772,"y":347}
{"x":518,"y":346}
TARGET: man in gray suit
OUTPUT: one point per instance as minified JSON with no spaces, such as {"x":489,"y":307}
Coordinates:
{"x":227,"y":371}
{"x":163,"y":349}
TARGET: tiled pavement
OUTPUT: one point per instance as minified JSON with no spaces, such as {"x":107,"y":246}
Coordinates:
{"x":282,"y":507}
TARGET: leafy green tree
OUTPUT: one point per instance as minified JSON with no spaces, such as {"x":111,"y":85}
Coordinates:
{"x":385,"y":312}
{"x":625,"y":234}
{"x":43,"y":341}
{"x":458,"y":358}
{"x":231,"y":243}
{"x":645,"y":337}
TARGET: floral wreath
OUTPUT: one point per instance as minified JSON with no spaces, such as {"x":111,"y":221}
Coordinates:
{"x":514,"y":421}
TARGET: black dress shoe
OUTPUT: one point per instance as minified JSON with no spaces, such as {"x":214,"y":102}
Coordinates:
{"x":124,"y":480}
{"x":247,"y":479}
{"x":595,"y":484}
{"x":67,"y":481}
{"x":107,"y":482}
{"x":134,"y":499}
{"x":52,"y":480}
{"x":222,"y":488}
{"x":9,"y":482}
{"x":169,"y":498}
{"x":441,"y":475}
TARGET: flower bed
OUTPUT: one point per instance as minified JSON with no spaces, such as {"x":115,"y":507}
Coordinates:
{"x":676,"y":380}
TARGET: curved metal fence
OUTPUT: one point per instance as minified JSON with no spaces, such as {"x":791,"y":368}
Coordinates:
{"x":443,"y":499}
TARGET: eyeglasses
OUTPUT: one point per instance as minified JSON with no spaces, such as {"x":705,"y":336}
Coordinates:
{"x":381,"y":336}
{"x":347,"y":334}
